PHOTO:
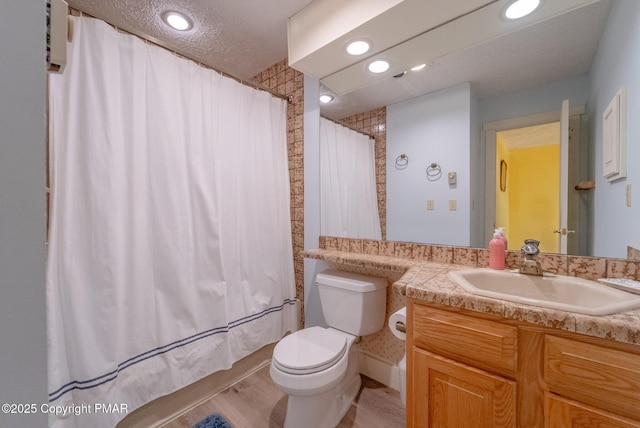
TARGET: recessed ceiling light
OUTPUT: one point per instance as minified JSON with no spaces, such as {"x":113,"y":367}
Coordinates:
{"x":521,"y":8}
{"x":326,"y":98}
{"x":177,"y":21}
{"x":358,"y":47}
{"x":379,"y":66}
{"x":418,"y":67}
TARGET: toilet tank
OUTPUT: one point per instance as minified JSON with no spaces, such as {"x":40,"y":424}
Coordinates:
{"x":353,"y":303}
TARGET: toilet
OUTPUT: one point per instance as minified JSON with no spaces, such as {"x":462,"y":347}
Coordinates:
{"x":317,"y":367}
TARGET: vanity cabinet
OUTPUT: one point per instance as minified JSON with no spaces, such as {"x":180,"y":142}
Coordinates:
{"x":467,"y":369}
{"x":451,"y":394}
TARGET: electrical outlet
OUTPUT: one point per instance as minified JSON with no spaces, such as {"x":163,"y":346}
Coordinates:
{"x":430,"y":204}
{"x":453,"y":204}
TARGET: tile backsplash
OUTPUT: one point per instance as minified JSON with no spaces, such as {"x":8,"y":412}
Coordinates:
{"x":580,"y":266}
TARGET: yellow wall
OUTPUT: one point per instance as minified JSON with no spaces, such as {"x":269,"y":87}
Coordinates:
{"x":532,"y":184}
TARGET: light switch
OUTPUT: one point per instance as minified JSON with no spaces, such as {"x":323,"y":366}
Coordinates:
{"x":430,"y":204}
{"x":452,"y":177}
{"x":628,"y":195}
{"x":453,"y":204}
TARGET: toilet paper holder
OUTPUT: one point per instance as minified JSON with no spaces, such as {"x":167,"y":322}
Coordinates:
{"x":401,"y":327}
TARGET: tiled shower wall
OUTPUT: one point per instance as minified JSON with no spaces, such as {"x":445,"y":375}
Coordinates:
{"x":288,"y":82}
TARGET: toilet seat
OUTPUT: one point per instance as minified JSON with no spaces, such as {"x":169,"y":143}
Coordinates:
{"x":310,"y":350}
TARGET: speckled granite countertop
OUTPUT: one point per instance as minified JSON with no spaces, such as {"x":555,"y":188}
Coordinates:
{"x":429,"y":281}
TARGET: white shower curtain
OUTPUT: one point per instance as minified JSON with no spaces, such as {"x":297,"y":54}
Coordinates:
{"x":349,"y":202}
{"x":170,"y":251}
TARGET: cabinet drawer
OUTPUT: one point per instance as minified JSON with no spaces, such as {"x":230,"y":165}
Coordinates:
{"x":561,"y":413}
{"x":604,"y":378}
{"x":485,"y":344}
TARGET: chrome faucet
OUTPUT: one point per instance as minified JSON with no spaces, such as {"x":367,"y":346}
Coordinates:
{"x":530,"y":265}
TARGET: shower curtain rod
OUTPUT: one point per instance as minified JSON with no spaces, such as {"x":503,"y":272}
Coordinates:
{"x":147,"y":39}
{"x":338,"y":122}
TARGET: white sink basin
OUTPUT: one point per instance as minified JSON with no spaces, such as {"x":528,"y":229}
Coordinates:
{"x":565,"y":293}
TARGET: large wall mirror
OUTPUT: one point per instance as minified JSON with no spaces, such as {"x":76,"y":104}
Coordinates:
{"x":584,"y":56}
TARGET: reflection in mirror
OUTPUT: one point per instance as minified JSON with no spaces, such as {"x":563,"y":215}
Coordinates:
{"x":533,"y":204}
{"x":349,"y":206}
{"x":445,"y":126}
{"x":529,"y":206}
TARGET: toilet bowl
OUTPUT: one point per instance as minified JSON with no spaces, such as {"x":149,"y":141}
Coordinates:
{"x":318,"y":366}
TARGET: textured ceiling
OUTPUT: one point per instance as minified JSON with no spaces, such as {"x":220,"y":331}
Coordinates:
{"x":244,"y":37}
{"x":238,"y":37}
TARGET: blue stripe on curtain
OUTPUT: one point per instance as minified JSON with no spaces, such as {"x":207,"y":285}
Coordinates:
{"x":84,"y":384}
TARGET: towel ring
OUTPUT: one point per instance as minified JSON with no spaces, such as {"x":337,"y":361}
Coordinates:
{"x":402,"y":161}
{"x":434,"y":172}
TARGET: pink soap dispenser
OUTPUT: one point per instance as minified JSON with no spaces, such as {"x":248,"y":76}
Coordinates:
{"x":496,"y":252}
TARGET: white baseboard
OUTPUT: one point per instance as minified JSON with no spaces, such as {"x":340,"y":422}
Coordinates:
{"x":379,"y":370}
{"x":165,"y":409}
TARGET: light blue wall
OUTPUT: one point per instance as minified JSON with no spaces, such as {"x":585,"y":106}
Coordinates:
{"x":23,"y":350}
{"x":617,"y":63}
{"x":430,"y":128}
{"x":312,"y":309}
{"x":446,"y":127}
{"x":539,"y":99}
{"x":477,"y":175}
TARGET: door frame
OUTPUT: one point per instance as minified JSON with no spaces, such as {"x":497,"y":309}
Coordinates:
{"x":490,"y":130}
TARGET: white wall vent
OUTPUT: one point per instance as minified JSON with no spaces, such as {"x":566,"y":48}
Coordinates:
{"x":57,"y":31}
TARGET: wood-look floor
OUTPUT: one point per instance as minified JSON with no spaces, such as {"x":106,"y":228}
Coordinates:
{"x":256,"y":402}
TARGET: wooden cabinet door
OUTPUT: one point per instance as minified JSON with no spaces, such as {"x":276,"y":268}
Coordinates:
{"x":561,"y":413}
{"x":447,"y":394}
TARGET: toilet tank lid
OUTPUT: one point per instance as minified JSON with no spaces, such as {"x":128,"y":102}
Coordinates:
{"x":350,"y":281}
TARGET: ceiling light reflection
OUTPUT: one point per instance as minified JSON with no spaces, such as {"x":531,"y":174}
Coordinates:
{"x":326,"y":98}
{"x":521,"y":8}
{"x":358,"y":47}
{"x":379,"y":66}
